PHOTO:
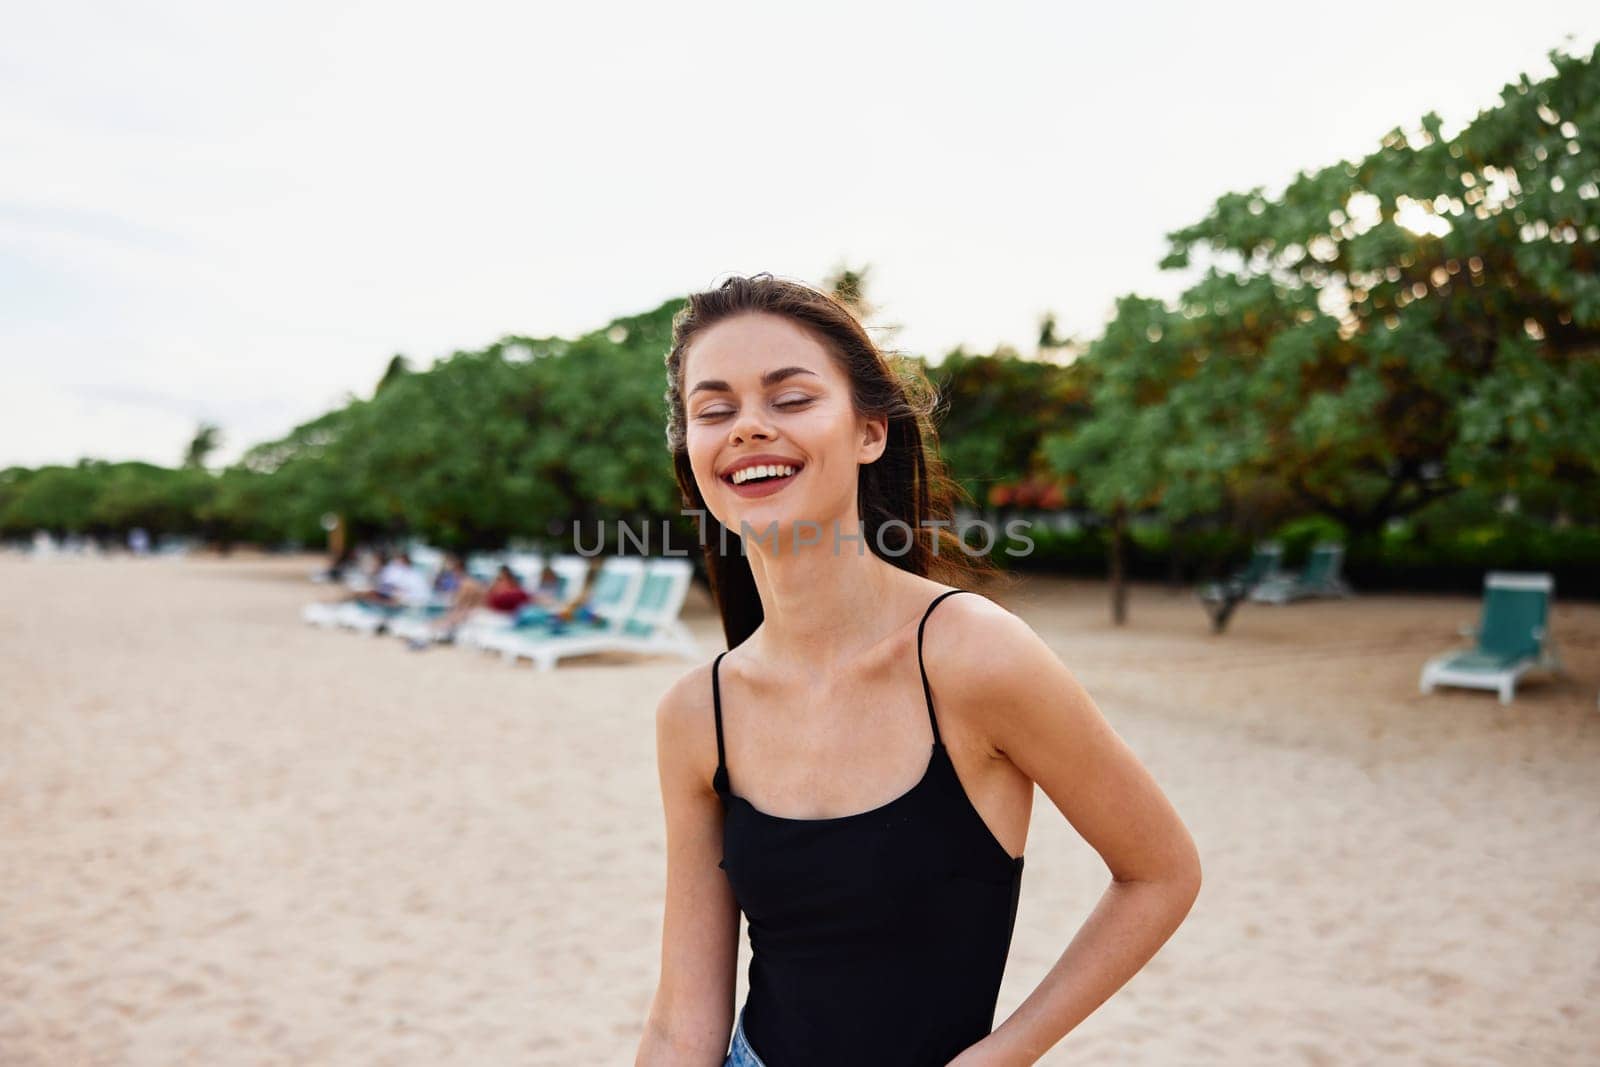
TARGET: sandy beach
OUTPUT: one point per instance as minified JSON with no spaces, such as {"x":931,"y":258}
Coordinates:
{"x":228,"y":838}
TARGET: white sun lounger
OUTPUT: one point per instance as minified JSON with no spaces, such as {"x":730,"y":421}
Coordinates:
{"x":1512,"y":638}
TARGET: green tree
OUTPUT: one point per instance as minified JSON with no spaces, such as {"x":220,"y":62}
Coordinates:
{"x":519,"y":439}
{"x":58,"y":499}
{"x":1427,"y":317}
{"x":1383,"y":333}
{"x":995,"y":410}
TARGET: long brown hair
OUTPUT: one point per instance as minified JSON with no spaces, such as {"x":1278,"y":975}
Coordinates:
{"x":908,"y":482}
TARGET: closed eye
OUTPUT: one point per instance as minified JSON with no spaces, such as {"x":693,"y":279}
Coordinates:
{"x":708,"y":415}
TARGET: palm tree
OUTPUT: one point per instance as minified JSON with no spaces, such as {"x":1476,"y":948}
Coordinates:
{"x":398,"y":367}
{"x":849,"y":287}
{"x":206,"y":440}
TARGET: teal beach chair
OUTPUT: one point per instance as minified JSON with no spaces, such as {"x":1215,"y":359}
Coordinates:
{"x":1320,"y":578}
{"x":1512,"y":637}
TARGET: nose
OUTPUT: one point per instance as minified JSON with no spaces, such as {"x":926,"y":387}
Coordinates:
{"x":748,"y":426}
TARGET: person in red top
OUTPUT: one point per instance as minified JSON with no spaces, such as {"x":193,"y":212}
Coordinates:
{"x":506,"y":592}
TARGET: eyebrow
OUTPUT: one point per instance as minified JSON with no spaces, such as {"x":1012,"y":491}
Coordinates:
{"x":769,"y":378}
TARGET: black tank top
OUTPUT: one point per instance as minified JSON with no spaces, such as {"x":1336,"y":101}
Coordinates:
{"x":878,"y":938}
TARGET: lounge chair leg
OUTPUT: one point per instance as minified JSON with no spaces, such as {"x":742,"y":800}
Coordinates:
{"x":1506,"y":691}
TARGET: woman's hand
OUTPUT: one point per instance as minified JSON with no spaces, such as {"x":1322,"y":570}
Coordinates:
{"x":989,"y":1053}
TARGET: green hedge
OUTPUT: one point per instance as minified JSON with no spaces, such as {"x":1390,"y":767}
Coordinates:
{"x":1406,"y":557}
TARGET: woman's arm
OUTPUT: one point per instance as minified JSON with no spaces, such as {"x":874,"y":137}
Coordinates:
{"x":1034,"y":711}
{"x":691,"y":1016}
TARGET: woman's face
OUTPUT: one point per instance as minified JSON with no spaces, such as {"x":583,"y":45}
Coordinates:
{"x":759,"y":385}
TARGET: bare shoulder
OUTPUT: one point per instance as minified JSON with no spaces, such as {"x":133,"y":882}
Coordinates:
{"x":685,"y":697}
{"x":994,"y":670}
{"x":975,"y":640}
{"x":686,"y":741}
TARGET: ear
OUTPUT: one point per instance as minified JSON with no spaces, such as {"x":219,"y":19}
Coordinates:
{"x":874,"y":439}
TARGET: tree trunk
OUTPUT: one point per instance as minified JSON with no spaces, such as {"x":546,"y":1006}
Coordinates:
{"x":1119,"y":582}
{"x":1175,"y":560}
{"x":336,"y":538}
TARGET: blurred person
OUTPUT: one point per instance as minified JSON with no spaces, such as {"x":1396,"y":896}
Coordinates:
{"x":379,"y":561}
{"x":506,"y":590}
{"x":579,"y":608}
{"x":452,"y":573}
{"x":547,"y":593}
{"x":397,"y":582}
{"x":404,"y":582}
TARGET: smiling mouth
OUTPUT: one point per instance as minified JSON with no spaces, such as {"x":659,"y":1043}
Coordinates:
{"x":728,"y":478}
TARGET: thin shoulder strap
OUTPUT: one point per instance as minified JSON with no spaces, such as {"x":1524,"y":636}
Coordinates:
{"x":720,"y":779}
{"x":927,"y":691}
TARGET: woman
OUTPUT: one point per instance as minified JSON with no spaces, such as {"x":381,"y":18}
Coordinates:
{"x":856,"y":771}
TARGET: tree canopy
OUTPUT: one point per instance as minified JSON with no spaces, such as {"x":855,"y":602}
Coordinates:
{"x":1379,"y":335}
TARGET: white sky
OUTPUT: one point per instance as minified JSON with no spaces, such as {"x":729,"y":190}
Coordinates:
{"x":240,"y":212}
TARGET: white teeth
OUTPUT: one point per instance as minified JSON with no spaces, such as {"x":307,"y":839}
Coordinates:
{"x":740,"y":477}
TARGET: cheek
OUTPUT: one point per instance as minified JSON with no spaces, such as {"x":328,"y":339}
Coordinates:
{"x":702,"y":453}
{"x":824,"y":433}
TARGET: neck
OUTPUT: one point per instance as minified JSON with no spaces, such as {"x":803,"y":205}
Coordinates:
{"x":822,"y":603}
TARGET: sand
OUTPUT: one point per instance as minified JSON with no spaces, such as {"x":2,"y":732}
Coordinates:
{"x":229,"y":838}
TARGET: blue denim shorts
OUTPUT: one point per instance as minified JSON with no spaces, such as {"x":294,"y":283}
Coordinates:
{"x":740,"y":1054}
